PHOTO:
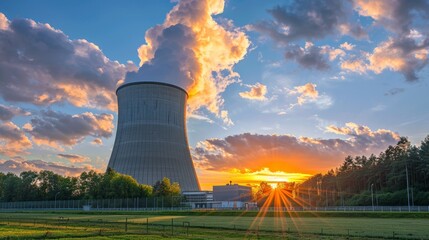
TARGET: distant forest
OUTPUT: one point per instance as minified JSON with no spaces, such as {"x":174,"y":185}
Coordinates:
{"x":47,"y":185}
{"x":360,"y":181}
{"x":380,"y":180}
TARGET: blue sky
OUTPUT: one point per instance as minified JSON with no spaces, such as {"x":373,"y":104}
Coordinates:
{"x":312,"y":99}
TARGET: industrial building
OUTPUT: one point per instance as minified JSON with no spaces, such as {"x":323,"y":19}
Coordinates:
{"x":230,"y":196}
{"x":151,"y":139}
{"x":232,"y":192}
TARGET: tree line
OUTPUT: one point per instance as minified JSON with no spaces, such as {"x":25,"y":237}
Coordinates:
{"x":394,"y":177}
{"x":47,"y":185}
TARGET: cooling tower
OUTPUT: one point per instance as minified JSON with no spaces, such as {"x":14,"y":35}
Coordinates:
{"x":151,"y":140}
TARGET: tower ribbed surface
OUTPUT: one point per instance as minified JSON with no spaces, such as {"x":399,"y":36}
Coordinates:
{"x":151,"y":141}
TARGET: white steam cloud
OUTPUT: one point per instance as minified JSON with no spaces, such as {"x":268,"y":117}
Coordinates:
{"x":195,"y":52}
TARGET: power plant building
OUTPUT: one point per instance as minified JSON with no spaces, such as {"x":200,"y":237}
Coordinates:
{"x":232,"y":192}
{"x":151,"y":139}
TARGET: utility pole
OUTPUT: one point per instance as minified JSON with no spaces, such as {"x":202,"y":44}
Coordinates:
{"x":372,"y":195}
{"x":309,"y":197}
{"x":55,"y":202}
{"x":408,"y":188}
{"x":326,"y":196}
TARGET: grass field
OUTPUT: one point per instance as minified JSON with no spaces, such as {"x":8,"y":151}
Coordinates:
{"x":212,"y":225}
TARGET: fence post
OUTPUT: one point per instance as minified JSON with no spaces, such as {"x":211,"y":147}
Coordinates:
{"x":126,"y":224}
{"x":172,"y":226}
{"x":147,"y":225}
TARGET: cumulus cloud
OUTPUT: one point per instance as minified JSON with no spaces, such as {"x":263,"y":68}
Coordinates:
{"x":198,"y":52}
{"x":396,"y":15}
{"x":347,"y":46}
{"x":405,"y":52}
{"x":253,"y":152}
{"x":97,"y":141}
{"x":354,"y":65}
{"x":4,"y":22}
{"x":16,"y":167}
{"x":41,"y":65}
{"x":362,"y":135}
{"x":256,"y":92}
{"x":308,"y":94}
{"x":55,"y":129}
{"x":308,"y":20}
{"x":312,"y":56}
{"x":9,"y":112}
{"x":309,"y":57}
{"x":13,"y":140}
{"x":74,"y":158}
{"x":403,"y":55}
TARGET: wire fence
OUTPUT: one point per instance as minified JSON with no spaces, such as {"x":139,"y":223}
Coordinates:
{"x":350,"y":209}
{"x":127,"y":204}
{"x":177,"y":203}
{"x":65,"y":227}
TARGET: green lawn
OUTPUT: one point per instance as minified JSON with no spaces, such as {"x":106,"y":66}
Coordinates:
{"x":206,"y":226}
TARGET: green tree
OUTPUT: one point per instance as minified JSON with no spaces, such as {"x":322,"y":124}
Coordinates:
{"x":165,"y":188}
{"x":424,"y":166}
{"x":29,"y":188}
{"x":89,"y":185}
{"x":124,"y":186}
{"x":12,"y":188}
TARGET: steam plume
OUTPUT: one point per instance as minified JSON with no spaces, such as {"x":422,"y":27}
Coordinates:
{"x":195,"y":52}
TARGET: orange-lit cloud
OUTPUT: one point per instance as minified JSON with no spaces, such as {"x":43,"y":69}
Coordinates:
{"x":8,"y":112}
{"x":406,"y":51}
{"x":15,"y":166}
{"x":13,"y":140}
{"x":333,"y":53}
{"x":4,"y":22}
{"x":396,"y":15}
{"x":55,"y":129}
{"x":305,"y":93}
{"x":356,"y":65}
{"x":74,"y":158}
{"x":347,"y":46}
{"x":49,"y":68}
{"x":256,"y":92}
{"x":403,"y":55}
{"x":353,"y":129}
{"x":198,"y":52}
{"x":308,"y":94}
{"x":97,"y":141}
{"x":250,"y":153}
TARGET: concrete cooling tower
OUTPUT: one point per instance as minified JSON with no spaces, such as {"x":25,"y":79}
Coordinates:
{"x":151,"y":140}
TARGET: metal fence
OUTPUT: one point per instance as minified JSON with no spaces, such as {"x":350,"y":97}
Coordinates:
{"x":178,"y":203}
{"x":127,"y":204}
{"x":351,"y":209}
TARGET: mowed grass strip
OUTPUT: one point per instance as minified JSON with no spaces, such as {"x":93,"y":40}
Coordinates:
{"x":349,"y":214}
{"x":413,"y":228}
{"x":51,"y":232}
